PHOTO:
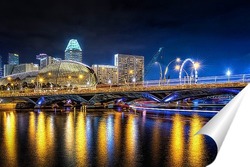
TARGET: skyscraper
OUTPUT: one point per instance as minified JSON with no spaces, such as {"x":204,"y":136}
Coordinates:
{"x":73,"y":51}
{"x":13,"y":59}
{"x":46,"y":60}
{"x":130,"y":68}
{"x":106,"y":74}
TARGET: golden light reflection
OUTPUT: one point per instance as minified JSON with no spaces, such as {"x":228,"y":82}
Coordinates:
{"x":50,"y":139}
{"x":69,"y":136}
{"x":32,"y":131}
{"x":81,"y":140}
{"x":102,"y":143}
{"x":10,"y":139}
{"x":117,"y":132}
{"x":130,"y":141}
{"x":156,"y":142}
{"x":196,"y":143}
{"x":177,"y":141}
{"x":41,"y":141}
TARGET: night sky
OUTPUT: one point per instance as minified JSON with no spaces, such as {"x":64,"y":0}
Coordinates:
{"x":213,"y":32}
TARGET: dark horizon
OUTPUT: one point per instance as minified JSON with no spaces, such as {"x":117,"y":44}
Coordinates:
{"x":215,"y":33}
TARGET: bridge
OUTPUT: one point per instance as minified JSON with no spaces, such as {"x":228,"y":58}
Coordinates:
{"x":162,"y":91}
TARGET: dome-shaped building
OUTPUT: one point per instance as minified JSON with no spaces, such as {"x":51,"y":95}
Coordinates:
{"x":66,"y":73}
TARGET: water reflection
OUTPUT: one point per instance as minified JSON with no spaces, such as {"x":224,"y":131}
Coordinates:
{"x":177,"y":140}
{"x":102,"y":143}
{"x":9,"y":123}
{"x":110,"y":139}
{"x":130,"y":141}
{"x":69,"y":136}
{"x":117,"y":129}
{"x":156,"y":142}
{"x":81,"y":141}
{"x":196,"y":143}
{"x":41,"y":143}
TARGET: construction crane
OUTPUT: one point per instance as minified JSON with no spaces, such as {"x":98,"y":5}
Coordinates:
{"x":151,"y":63}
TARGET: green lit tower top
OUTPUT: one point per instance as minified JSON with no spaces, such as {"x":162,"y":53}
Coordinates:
{"x":73,"y":51}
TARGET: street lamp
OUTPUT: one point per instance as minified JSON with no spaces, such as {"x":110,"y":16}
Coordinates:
{"x":160,"y":72}
{"x":109,"y":82}
{"x":41,"y":81}
{"x":178,"y":67}
{"x":196,"y":66}
{"x":9,"y":78}
{"x":166,"y":69}
{"x":134,"y":80}
{"x":228,"y":73}
{"x":80,"y":78}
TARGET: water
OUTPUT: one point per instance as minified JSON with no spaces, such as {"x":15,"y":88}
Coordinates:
{"x":105,"y":138}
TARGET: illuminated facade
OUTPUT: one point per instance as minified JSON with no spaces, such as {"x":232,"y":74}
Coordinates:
{"x":8,"y":68}
{"x":25,"y":68}
{"x":62,"y":73}
{"x":66,"y":73}
{"x":21,"y":68}
{"x":46,"y":60}
{"x":106,"y":74}
{"x":13,"y":59}
{"x":130,"y":68}
{"x":73,"y":51}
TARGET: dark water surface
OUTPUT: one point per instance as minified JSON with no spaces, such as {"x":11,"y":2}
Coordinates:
{"x":105,"y":138}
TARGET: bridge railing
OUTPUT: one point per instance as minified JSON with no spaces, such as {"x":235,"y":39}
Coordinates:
{"x":202,"y":80}
{"x":137,"y":86}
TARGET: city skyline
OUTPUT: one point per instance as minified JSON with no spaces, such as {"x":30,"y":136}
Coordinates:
{"x":213,"y":33}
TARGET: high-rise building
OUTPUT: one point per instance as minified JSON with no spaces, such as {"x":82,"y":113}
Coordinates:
{"x":8,"y":68}
{"x":73,"y":51}
{"x":106,"y":74}
{"x":46,"y":60}
{"x":130,"y":68}
{"x":1,"y":67}
{"x":28,"y":67}
{"x":15,"y":69}
{"x":13,"y":59}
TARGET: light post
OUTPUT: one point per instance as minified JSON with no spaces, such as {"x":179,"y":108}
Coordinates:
{"x":109,"y":82}
{"x":160,"y":72}
{"x":177,"y":68}
{"x":134,"y":80}
{"x":41,"y":82}
{"x":80,"y":77}
{"x":188,"y":79}
{"x":228,"y":73}
{"x":9,"y":78}
{"x":196,"y":66}
{"x":12,"y":87}
{"x":166,"y":69}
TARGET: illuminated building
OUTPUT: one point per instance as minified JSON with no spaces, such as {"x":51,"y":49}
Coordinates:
{"x":8,"y":68}
{"x":68,"y":73}
{"x":73,"y":51}
{"x":1,"y":67}
{"x":13,"y":59}
{"x":28,"y":67}
{"x":106,"y":74}
{"x":62,"y":73}
{"x":21,"y":68}
{"x":130,"y":68}
{"x":46,"y":60}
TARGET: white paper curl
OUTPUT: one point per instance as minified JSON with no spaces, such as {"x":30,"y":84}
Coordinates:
{"x":236,"y":146}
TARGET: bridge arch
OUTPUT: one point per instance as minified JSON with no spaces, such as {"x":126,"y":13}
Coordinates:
{"x":195,"y":70}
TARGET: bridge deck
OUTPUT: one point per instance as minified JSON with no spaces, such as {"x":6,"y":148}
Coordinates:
{"x":119,"y":89}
